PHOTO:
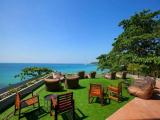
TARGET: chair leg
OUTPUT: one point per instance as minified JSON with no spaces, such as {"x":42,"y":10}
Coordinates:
{"x":109,"y":100}
{"x":51,"y":110}
{"x":15,"y":110}
{"x":55,"y":115}
{"x":73,"y":111}
{"x":73,"y":115}
{"x":90,"y":99}
{"x":101,"y":99}
{"x":38,"y":103}
{"x":19,"y":113}
{"x":119,"y":98}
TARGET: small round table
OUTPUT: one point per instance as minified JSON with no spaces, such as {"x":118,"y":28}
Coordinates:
{"x":47,"y":99}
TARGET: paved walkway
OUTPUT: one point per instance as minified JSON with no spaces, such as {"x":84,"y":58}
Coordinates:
{"x":140,"y":109}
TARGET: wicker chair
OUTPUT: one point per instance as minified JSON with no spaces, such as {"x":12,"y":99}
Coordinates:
{"x":62,"y":104}
{"x":19,"y":104}
{"x":53,"y":84}
{"x":72,"y":82}
{"x":124,"y":74}
{"x":92,"y":74}
{"x":96,"y":90}
{"x":59,"y":76}
{"x":111,"y":75}
{"x":81,"y":74}
{"x":115,"y":92}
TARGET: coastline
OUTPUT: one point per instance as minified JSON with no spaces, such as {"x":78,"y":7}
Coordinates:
{"x":4,"y":89}
{"x":9,"y":70}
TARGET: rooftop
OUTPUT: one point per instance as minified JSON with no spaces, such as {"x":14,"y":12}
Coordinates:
{"x":84,"y":110}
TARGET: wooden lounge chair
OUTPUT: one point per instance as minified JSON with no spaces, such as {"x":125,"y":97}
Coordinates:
{"x":62,"y":104}
{"x":19,"y":104}
{"x":96,"y":90}
{"x":115,"y":92}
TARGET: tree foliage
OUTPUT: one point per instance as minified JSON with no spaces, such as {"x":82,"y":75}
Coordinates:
{"x":139,"y":43}
{"x":33,"y":72}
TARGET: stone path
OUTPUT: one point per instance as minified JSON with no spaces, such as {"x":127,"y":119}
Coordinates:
{"x":140,"y":109}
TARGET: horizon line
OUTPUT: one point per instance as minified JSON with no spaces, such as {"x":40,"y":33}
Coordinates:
{"x":39,"y":63}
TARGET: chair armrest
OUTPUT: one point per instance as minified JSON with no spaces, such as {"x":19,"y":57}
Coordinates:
{"x":112,"y":88}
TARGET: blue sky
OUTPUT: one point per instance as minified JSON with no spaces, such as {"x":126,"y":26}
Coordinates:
{"x":62,"y":31}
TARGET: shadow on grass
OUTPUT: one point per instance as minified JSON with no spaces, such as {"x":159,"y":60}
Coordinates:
{"x":79,"y":115}
{"x":80,"y":87}
{"x":106,"y":101}
{"x":35,"y":114}
{"x":62,"y":90}
{"x":124,"y":99}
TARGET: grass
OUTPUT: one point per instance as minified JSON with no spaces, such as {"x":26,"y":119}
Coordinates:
{"x":84,"y":110}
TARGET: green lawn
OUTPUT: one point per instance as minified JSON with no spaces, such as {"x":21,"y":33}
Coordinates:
{"x":92,"y":111}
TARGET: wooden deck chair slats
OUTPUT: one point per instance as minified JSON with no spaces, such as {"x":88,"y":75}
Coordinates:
{"x":63,"y":103}
{"x":96,"y":90}
{"x":115,"y":92}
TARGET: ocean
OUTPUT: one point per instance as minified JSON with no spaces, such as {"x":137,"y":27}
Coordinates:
{"x":9,"y":70}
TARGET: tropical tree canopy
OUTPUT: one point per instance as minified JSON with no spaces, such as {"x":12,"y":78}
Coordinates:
{"x":33,"y":72}
{"x":139,"y":43}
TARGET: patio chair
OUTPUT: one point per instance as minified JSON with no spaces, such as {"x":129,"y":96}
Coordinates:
{"x":63,"y":103}
{"x":19,"y":104}
{"x":96,"y":90}
{"x":81,"y":74}
{"x":111,"y":75}
{"x":57,"y":75}
{"x":115,"y":92}
{"x":92,"y":74}
{"x":124,"y":74}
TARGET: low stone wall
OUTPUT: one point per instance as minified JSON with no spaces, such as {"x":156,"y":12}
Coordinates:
{"x":4,"y":89}
{"x":9,"y":100}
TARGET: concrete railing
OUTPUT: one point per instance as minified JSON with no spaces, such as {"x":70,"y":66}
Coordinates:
{"x":9,"y":100}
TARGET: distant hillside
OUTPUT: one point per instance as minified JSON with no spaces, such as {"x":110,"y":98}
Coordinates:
{"x":95,"y":63}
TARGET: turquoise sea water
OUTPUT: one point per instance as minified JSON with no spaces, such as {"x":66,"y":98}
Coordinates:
{"x":9,"y":70}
